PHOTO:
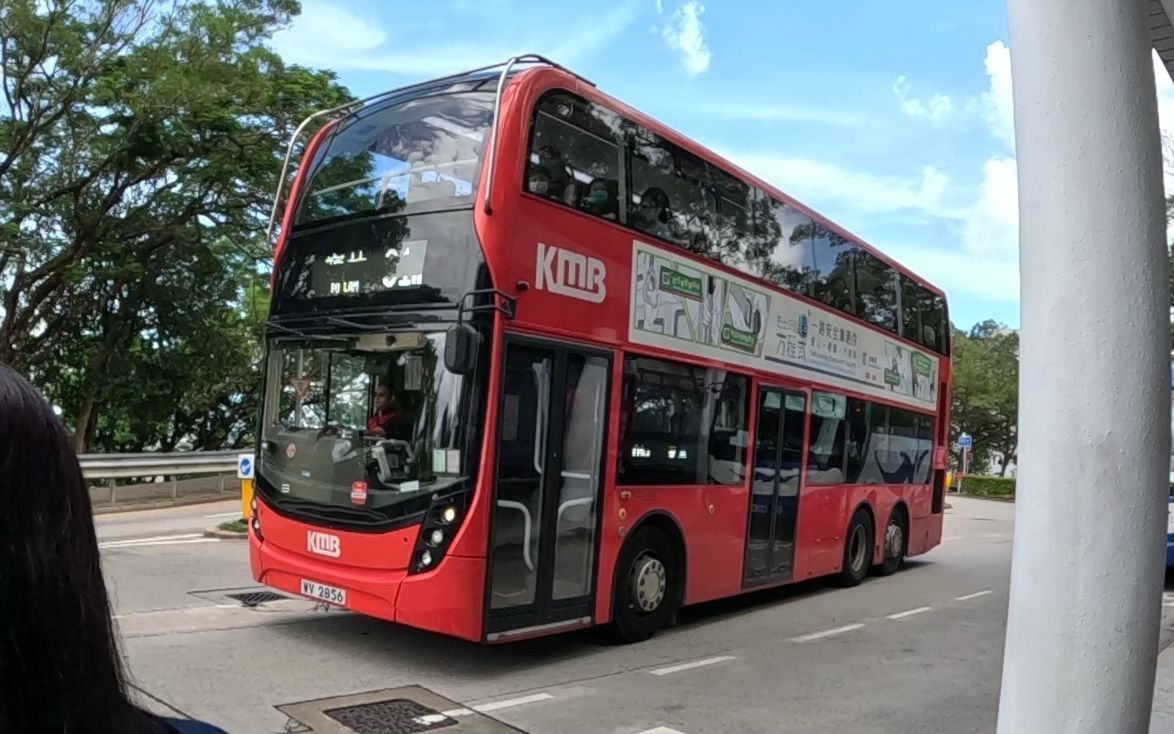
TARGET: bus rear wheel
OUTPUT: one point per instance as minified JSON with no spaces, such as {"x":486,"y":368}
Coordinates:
{"x":646,"y":590}
{"x":857,"y":550}
{"x":893,"y":555}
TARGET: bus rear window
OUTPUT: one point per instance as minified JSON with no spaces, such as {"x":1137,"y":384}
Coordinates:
{"x":384,"y":158}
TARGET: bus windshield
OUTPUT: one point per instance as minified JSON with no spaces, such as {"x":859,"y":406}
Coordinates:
{"x":388,"y":156}
{"x":366,"y":422}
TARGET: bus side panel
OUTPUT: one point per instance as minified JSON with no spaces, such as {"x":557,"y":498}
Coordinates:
{"x":925,"y":532}
{"x":823,"y":521}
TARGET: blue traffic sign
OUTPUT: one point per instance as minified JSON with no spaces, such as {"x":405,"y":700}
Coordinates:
{"x":965,"y":441}
{"x":244,"y":466}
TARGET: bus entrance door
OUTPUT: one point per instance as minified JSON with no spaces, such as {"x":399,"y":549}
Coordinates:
{"x":774,"y":499}
{"x":551,"y":442}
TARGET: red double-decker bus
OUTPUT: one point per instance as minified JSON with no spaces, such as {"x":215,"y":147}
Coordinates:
{"x":537,"y":362}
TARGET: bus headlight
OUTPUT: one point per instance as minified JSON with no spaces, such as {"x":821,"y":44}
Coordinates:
{"x":440,"y":525}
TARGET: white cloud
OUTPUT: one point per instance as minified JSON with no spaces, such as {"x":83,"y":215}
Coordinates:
{"x":937,"y":108}
{"x":686,"y":35}
{"x":330,"y":36}
{"x":323,"y":33}
{"x":998,"y":111}
{"x":992,"y":225}
{"x":810,"y":180}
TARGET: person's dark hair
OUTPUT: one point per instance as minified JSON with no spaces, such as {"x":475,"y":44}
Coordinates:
{"x":60,"y":668}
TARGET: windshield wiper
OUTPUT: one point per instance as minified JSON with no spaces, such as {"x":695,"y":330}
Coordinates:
{"x":303,"y":334}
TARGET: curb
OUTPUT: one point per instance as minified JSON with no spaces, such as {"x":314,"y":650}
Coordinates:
{"x":215,"y":532}
{"x":989,"y":498}
{"x":105,"y":508}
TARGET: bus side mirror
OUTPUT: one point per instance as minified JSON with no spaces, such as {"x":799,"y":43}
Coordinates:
{"x":460,"y":349}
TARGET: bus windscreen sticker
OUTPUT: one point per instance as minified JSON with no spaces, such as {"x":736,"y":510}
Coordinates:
{"x":688,"y":307}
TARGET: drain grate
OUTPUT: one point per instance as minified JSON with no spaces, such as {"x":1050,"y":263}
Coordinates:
{"x":253,"y":598}
{"x":395,"y":716}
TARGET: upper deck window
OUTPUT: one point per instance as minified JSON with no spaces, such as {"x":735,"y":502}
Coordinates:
{"x":386,"y":157}
{"x":587,"y":157}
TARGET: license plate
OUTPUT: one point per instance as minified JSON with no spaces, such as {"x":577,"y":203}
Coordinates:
{"x":322,"y":592}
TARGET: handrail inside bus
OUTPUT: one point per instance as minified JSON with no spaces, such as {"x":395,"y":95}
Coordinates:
{"x":346,"y":106}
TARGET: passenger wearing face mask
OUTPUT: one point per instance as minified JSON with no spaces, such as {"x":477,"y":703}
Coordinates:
{"x":538,"y":181}
{"x":562,"y":186}
{"x":603,"y":199}
{"x":653,"y":215}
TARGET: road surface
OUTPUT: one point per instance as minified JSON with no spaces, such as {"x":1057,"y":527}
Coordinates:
{"x":917,"y":652}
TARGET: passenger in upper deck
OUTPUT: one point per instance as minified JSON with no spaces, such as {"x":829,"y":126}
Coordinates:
{"x":562,"y":184}
{"x":603,"y":199}
{"x":653,"y":216}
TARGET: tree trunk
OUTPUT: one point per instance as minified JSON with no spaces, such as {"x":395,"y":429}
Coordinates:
{"x":84,"y":429}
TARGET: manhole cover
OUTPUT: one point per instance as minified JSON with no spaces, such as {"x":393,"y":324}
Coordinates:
{"x":253,"y":598}
{"x":397,"y":716}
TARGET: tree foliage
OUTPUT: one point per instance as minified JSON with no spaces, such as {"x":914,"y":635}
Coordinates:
{"x":985,"y":397}
{"x":140,"y":144}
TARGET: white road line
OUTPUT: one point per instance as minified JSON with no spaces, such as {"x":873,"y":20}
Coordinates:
{"x":156,"y":543}
{"x":511,"y":702}
{"x":222,"y":514}
{"x":123,"y":541}
{"x":975,"y":595}
{"x":483,"y":708}
{"x":952,"y":537}
{"x":689,"y":666}
{"x":827,"y":633}
{"x":909,"y":612}
{"x":661,"y":730}
{"x":991,"y":535}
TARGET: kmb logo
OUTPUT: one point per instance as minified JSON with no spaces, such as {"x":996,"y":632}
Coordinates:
{"x":324,"y":544}
{"x":567,"y":273}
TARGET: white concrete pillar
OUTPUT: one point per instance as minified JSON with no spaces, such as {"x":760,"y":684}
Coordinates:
{"x":1087,"y":566}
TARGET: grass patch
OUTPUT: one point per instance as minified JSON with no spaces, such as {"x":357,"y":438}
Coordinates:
{"x":234,"y":526}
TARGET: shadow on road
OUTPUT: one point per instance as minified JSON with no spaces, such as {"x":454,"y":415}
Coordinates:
{"x":428,"y":653}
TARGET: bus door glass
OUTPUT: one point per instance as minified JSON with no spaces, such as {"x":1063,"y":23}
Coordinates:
{"x":774,"y":495}
{"x":551,"y":444}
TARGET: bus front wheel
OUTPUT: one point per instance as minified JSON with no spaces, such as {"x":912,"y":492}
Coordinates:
{"x":646,"y":586}
{"x":857,"y":550}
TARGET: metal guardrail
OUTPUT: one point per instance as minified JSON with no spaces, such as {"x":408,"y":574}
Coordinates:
{"x":152,"y":465}
{"x":119,"y":466}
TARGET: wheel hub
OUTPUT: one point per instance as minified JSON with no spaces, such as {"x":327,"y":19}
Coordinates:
{"x":894,"y":540}
{"x":649,"y":581}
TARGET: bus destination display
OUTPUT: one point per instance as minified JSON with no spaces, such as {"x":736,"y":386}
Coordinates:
{"x":353,"y":272}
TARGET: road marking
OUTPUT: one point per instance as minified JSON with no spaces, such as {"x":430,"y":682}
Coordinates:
{"x":511,"y":702}
{"x":222,"y":514}
{"x":952,"y":537}
{"x":827,"y":633}
{"x":155,"y":543}
{"x":991,"y":535}
{"x":975,"y":595}
{"x":661,"y":730}
{"x":483,"y":708}
{"x":122,"y":541}
{"x":909,"y":612}
{"x":689,"y":666}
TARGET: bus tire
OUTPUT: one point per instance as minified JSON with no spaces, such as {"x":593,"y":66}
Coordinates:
{"x":857,"y":550}
{"x":894,"y":543}
{"x":646,"y":592}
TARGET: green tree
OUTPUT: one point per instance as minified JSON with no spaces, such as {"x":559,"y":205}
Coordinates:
{"x":985,"y":397}
{"x":140,"y":144}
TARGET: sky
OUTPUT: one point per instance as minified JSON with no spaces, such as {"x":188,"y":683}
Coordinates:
{"x":892,"y":119}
